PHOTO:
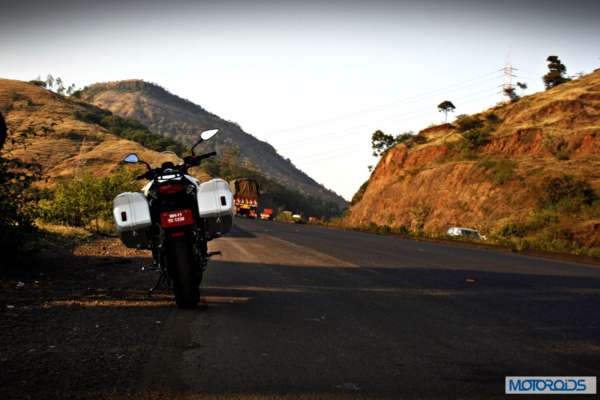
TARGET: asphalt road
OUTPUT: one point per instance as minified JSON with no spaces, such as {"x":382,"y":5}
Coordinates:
{"x":312,"y":312}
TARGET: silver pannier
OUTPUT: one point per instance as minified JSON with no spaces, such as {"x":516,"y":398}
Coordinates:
{"x":215,"y":206}
{"x":132,"y":218}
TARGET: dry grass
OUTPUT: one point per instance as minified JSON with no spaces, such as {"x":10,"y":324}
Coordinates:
{"x":63,"y":145}
{"x":71,"y":232}
{"x":558,"y":111}
{"x":543,"y":135}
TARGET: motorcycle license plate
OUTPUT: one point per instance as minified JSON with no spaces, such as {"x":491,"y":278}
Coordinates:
{"x":170,"y":219}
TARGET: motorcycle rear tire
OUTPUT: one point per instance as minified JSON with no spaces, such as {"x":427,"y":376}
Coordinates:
{"x":186,"y":284}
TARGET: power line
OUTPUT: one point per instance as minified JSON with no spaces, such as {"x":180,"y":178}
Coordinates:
{"x":305,"y":138}
{"x":343,"y":151}
{"x":351,"y":131}
{"x":371,"y":109}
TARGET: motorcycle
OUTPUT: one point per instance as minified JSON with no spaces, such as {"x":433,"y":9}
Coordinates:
{"x":175,"y":215}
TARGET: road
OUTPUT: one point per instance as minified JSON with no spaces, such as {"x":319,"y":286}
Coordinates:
{"x":313,"y":312}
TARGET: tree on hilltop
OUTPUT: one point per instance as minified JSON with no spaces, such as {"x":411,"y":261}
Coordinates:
{"x":50,"y":81}
{"x":556,"y":73}
{"x":511,"y":93}
{"x":71,"y":89}
{"x":381,"y":142}
{"x":446,"y":106}
{"x":60,"y":87}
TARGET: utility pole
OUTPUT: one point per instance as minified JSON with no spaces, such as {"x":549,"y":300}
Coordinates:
{"x":509,"y":73}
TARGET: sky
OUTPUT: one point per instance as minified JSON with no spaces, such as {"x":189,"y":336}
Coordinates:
{"x":315,"y":79}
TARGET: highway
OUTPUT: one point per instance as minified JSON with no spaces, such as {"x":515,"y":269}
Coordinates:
{"x":303,"y":311}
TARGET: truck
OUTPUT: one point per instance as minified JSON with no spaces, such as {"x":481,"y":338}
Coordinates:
{"x":245,"y":197}
{"x":266,"y":214}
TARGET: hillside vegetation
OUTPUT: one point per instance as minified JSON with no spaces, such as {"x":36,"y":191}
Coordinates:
{"x":525,"y":173}
{"x":182,"y":121}
{"x":58,"y":139}
{"x":69,"y":138}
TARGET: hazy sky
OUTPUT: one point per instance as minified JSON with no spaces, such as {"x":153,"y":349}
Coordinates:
{"x":315,"y":79}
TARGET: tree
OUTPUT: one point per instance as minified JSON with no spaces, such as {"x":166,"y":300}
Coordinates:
{"x":60,"y":88}
{"x":511,"y":93}
{"x":445,"y":107}
{"x":381,"y":142}
{"x":50,"y":81}
{"x":556,"y":73}
{"x":522,"y":85}
{"x":16,"y":197}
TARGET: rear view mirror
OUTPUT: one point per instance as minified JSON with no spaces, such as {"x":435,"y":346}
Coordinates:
{"x":208,"y":134}
{"x":204,"y":136}
{"x":131,"y":158}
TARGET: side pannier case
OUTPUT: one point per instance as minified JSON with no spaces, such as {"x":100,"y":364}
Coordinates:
{"x":132,"y":218}
{"x":215,"y":206}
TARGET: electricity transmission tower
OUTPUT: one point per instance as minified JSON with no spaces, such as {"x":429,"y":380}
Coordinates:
{"x":508,"y":74}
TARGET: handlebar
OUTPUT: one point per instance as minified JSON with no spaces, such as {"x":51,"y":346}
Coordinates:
{"x":207,"y":155}
{"x":189,"y":161}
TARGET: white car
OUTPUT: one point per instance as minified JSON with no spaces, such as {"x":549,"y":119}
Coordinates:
{"x":465,"y":232}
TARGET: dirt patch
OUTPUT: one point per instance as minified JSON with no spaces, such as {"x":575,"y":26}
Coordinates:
{"x":79,"y":323}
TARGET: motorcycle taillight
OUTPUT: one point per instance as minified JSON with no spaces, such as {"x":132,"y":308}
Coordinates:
{"x":171,"y":188}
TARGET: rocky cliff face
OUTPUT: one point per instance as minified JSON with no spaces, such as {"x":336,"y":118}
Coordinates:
{"x":445,"y":183}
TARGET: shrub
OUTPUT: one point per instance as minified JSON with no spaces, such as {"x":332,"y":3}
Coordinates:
{"x":401,"y":230}
{"x":567,"y":192}
{"x":81,"y":201}
{"x":492,"y":118}
{"x":500,"y":171}
{"x":38,"y":83}
{"x":512,"y":229}
{"x":468,"y":123}
{"x":418,"y":216}
{"x":476,"y":131}
{"x":557,"y":146}
{"x":410,"y":139}
{"x":476,"y":138}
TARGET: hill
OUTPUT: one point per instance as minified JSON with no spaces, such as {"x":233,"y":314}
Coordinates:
{"x":181,"y":120}
{"x":526,"y":172}
{"x":67,"y":137}
{"x":62,"y":144}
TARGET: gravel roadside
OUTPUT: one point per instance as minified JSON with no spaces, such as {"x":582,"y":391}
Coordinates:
{"x":78,"y":323}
